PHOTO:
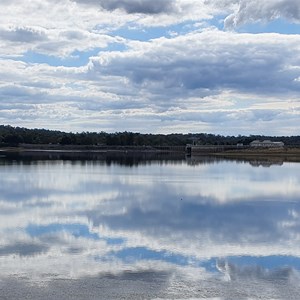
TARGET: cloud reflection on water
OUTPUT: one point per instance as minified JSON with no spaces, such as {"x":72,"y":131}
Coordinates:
{"x":84,"y":219}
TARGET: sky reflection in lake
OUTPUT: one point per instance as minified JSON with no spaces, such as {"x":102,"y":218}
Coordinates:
{"x":177,"y":229}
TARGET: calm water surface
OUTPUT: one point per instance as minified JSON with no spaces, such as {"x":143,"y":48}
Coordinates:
{"x":160,"y":229}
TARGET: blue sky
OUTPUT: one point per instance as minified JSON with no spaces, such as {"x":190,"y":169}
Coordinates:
{"x":226,"y":67}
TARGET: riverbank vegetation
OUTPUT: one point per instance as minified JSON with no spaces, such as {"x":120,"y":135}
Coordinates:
{"x":14,"y":136}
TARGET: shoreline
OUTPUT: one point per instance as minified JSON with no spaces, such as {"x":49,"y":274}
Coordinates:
{"x":248,"y":152}
{"x":256,"y":157}
{"x":262,"y":152}
{"x":90,"y":148}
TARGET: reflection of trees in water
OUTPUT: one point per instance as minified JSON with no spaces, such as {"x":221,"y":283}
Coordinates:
{"x":135,"y":158}
{"x":266,"y":162}
{"x":253,"y":161}
{"x":204,"y":159}
{"x":124,"y":158}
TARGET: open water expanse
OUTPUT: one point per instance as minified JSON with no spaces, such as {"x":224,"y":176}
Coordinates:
{"x":149,"y":229}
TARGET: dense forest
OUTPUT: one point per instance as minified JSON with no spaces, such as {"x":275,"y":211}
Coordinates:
{"x":13,"y":136}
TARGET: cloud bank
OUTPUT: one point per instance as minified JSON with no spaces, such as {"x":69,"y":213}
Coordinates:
{"x":263,"y":11}
{"x":134,"y":6}
{"x":102,"y":64}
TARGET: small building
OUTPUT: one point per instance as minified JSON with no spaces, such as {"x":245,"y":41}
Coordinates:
{"x":266,"y":144}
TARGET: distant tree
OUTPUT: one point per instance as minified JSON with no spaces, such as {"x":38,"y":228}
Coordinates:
{"x":13,"y":139}
{"x":15,"y":135}
{"x":68,"y":139}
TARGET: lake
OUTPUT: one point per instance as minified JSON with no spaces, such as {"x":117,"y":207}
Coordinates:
{"x":149,"y":228}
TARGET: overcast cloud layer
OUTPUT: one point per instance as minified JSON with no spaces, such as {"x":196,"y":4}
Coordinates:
{"x":228,"y":66}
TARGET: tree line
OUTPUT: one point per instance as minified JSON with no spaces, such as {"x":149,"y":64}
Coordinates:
{"x":14,"y":136}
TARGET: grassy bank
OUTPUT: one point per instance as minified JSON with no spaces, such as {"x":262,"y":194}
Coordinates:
{"x":263,"y":156}
{"x":287,"y":151}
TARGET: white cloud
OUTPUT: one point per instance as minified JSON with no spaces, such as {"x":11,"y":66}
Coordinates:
{"x":263,"y":11}
{"x":134,"y":6}
{"x":22,"y":34}
{"x":188,"y":82}
{"x":210,"y":79}
{"x":204,"y":63}
{"x":66,"y":28}
{"x":72,"y":26}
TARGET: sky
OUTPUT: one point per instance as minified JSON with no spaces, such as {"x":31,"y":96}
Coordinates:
{"x":217,"y":66}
